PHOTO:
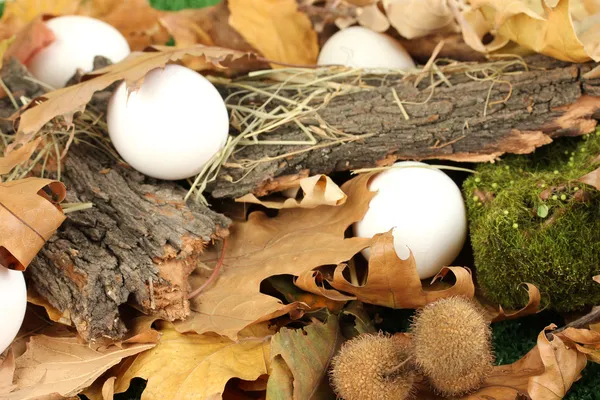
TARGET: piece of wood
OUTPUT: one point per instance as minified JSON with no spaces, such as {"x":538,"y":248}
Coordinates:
{"x":139,"y":243}
{"x":525,"y":110}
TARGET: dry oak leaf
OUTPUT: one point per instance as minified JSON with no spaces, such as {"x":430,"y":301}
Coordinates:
{"x":318,"y":190}
{"x":495,"y":314}
{"x":191,"y":366}
{"x":300,"y":359}
{"x":563,"y":365}
{"x":276,"y":29}
{"x":7,"y":372}
{"x":592,"y":179}
{"x":29,"y":217}
{"x":294,"y":242}
{"x":391,"y":281}
{"x":418,"y":18}
{"x":587,"y":341}
{"x":67,"y":101}
{"x":548,"y":29}
{"x":16,"y":157}
{"x":63,"y":366}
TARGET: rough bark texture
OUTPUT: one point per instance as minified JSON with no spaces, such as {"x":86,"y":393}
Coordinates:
{"x":139,"y":242}
{"x":550,"y":100}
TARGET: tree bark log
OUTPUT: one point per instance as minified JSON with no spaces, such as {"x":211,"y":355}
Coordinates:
{"x":139,"y":242}
{"x":550,"y":100}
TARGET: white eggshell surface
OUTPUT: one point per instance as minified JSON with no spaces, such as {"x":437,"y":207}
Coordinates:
{"x":78,"y":40}
{"x":172,"y":126}
{"x":13,"y":302}
{"x":426,"y":211}
{"x":360,"y":47}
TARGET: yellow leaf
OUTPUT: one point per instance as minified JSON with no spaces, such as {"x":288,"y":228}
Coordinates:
{"x":191,"y":366}
{"x":548,"y":31}
{"x":318,"y":190}
{"x":29,"y":216}
{"x":4,"y":45}
{"x":277,"y":29}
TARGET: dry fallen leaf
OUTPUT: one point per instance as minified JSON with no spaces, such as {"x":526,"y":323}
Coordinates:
{"x":29,"y":216}
{"x":391,"y":281}
{"x":294,"y":242}
{"x":16,"y":157}
{"x":195,"y":366}
{"x":319,"y":190}
{"x":7,"y":372}
{"x":546,"y":29}
{"x":276,"y":29}
{"x":592,"y":179}
{"x":53,"y":313}
{"x":66,"y":101}
{"x":563,"y":365}
{"x":418,"y":18}
{"x":587,"y":341}
{"x":63,"y":366}
{"x":292,"y":375}
{"x":496,"y":314}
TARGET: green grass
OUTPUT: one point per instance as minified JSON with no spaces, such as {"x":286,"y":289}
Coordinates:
{"x":174,"y":5}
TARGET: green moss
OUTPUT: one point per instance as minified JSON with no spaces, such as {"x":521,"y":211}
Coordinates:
{"x":530,"y":221}
{"x":175,"y":5}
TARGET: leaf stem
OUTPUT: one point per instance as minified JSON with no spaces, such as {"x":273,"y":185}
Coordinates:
{"x":214,"y":274}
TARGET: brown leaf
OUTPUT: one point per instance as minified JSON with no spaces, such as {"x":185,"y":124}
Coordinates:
{"x":66,"y":101}
{"x":63,"y":366}
{"x":592,"y":179}
{"x":7,"y":372}
{"x":596,"y":278}
{"x":29,"y":216}
{"x":18,"y":13}
{"x":294,"y":242}
{"x":54,"y":314}
{"x":184,"y":365}
{"x":16,"y":157}
{"x":319,"y":190}
{"x":108,"y":389}
{"x":587,"y":341}
{"x":532,"y":306}
{"x":393,"y":282}
{"x":277,"y":29}
{"x":563,"y":366}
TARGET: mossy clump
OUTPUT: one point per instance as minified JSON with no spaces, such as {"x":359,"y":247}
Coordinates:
{"x":452,"y":345}
{"x":531,"y":221}
{"x":373,"y":367}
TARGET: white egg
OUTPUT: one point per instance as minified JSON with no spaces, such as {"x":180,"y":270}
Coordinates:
{"x":78,"y":40}
{"x":172,"y":126}
{"x":426,"y":211}
{"x":13,"y":302}
{"x":360,"y":47}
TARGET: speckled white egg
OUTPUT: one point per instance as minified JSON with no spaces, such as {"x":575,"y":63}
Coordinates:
{"x":78,"y":40}
{"x":360,"y":47}
{"x":13,"y":302}
{"x":172,"y":126}
{"x":426,"y":211}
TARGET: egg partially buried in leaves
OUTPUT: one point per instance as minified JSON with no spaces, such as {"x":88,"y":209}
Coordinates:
{"x":13,"y":302}
{"x":360,"y":47}
{"x":78,"y":40}
{"x":171,"y":126}
{"x":426,"y":211}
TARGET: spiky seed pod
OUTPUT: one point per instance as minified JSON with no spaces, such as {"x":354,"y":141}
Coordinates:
{"x":451,"y":344}
{"x":373,"y":367}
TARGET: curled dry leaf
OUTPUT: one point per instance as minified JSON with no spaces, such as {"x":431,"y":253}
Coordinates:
{"x":371,"y":16}
{"x":547,"y":29}
{"x":29,"y":40}
{"x":294,"y":242}
{"x":276,"y":29}
{"x":66,"y":101}
{"x":391,"y":281}
{"x":292,"y":377}
{"x":54,"y":314}
{"x":532,"y":307}
{"x":563,"y":365}
{"x":63,"y":366}
{"x":587,"y":341}
{"x":318,"y":190}
{"x":203,"y":364}
{"x":29,"y":215}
